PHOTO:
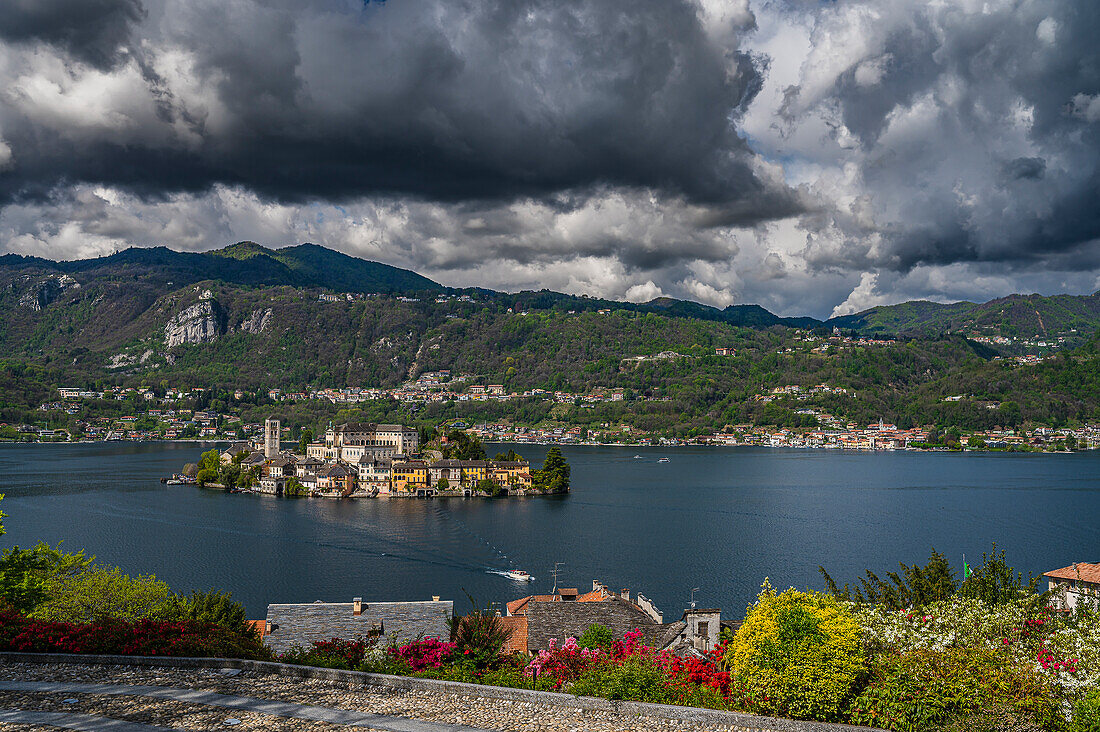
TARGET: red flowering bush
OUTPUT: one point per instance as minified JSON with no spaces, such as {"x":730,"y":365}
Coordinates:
{"x":424,"y":653}
{"x":628,"y":669}
{"x":129,"y":638}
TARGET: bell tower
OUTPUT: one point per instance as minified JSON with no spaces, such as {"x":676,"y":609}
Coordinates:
{"x":271,"y":439}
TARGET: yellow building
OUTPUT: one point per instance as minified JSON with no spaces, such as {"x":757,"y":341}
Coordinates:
{"x":409,"y":477}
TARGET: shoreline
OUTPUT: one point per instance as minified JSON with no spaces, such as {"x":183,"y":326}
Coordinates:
{"x":540,"y":443}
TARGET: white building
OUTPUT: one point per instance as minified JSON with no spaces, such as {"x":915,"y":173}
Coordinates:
{"x":1074,"y":584}
{"x":350,"y":442}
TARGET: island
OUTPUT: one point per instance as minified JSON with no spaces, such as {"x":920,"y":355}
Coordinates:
{"x":369,"y":460}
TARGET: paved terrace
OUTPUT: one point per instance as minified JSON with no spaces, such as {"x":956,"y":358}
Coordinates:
{"x":220,"y":695}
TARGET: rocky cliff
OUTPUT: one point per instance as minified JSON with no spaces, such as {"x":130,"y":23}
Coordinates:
{"x":47,"y":291}
{"x":203,"y":322}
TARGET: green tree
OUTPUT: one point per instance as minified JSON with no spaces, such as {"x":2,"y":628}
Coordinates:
{"x":461,"y":446}
{"x":914,"y":586}
{"x":26,"y":574}
{"x":304,"y":440}
{"x":212,"y":606}
{"x":101,"y":592}
{"x":489,"y":487}
{"x":554,"y":475}
{"x":995,"y":582}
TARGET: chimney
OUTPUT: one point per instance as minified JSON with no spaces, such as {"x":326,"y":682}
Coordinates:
{"x":625,"y":594}
{"x":357,"y":606}
{"x":435,"y":598}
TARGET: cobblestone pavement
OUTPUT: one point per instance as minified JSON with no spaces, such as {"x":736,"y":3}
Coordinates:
{"x":434,"y":707}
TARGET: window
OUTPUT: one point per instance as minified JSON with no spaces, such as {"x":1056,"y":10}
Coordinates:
{"x":703,"y":628}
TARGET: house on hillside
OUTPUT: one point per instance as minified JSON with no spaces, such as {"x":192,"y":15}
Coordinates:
{"x":1073,"y":585}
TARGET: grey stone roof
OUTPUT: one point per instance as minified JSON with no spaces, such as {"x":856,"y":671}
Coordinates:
{"x":561,"y":620}
{"x":302,"y":624}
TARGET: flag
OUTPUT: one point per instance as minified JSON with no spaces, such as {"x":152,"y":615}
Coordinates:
{"x":967,"y":571}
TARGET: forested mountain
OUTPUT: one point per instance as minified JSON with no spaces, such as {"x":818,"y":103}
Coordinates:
{"x":1074,"y":317}
{"x":144,"y":317}
{"x":244,"y":263}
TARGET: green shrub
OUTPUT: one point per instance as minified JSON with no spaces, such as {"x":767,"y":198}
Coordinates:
{"x":597,"y":636}
{"x":26,"y":574}
{"x":1086,"y":713}
{"x":380,"y":661}
{"x":213,"y":606}
{"x":797,"y":655}
{"x":479,"y":638}
{"x":636,"y":678}
{"x":98,"y":593}
{"x":931,"y":689}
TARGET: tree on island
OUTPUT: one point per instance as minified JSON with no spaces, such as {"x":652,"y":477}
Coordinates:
{"x":554,"y":475}
{"x":304,"y":440}
{"x":489,"y":487}
{"x":461,"y":446}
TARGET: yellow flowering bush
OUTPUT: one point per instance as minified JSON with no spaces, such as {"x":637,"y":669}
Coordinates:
{"x":798,"y":654}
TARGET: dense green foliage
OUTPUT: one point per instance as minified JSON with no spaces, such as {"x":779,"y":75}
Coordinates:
{"x":992,"y":582}
{"x":914,"y":586}
{"x":553,"y":477}
{"x":798,"y":655}
{"x":1012,"y":316}
{"x":927,"y":690}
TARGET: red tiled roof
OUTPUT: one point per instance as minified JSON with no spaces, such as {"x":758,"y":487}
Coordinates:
{"x":516,"y":607}
{"x":517,"y":641}
{"x":260,"y":626}
{"x":1082,"y":570}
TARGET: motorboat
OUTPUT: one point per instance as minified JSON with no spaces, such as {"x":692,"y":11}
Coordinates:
{"x":519,"y":575}
{"x":663,"y":460}
{"x":637,"y":457}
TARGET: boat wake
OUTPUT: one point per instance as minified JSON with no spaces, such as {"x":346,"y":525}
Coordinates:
{"x":512,"y":575}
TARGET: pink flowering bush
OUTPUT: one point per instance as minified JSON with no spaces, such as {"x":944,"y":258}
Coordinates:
{"x":562,"y":664}
{"x":424,"y":653}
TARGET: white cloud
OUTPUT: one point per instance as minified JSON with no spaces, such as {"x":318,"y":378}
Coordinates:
{"x":643,"y":292}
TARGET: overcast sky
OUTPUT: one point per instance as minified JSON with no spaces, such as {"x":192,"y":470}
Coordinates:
{"x":814,"y":157}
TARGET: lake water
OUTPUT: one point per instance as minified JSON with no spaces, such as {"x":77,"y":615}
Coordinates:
{"x":720,"y":519}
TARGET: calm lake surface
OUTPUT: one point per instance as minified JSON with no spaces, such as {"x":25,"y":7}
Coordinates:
{"x":720,"y":519}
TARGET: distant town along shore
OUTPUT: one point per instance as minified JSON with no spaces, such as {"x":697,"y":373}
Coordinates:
{"x":367,"y":460}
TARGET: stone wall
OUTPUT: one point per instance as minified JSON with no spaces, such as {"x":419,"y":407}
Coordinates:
{"x":690,"y":716}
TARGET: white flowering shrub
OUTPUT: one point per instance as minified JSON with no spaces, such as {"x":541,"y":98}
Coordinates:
{"x":1065,"y":648}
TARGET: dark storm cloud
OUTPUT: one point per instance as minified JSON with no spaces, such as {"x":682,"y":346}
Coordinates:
{"x":91,"y":31}
{"x":974,"y":129}
{"x":1024,"y":168}
{"x":446,"y":99}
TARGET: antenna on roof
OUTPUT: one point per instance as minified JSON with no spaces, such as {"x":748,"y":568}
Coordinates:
{"x":554,"y":574}
{"x":693,"y":591}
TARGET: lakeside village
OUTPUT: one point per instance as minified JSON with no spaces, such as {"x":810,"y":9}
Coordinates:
{"x":362,"y":460}
{"x":165,"y":417}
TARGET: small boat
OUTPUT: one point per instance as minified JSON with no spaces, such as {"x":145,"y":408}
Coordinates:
{"x":663,"y":460}
{"x":519,"y":575}
{"x":637,"y":457}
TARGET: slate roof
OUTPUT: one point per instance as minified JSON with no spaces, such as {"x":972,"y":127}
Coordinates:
{"x":561,"y":620}
{"x":302,"y":624}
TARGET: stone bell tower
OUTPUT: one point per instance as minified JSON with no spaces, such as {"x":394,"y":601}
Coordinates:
{"x":271,"y":439}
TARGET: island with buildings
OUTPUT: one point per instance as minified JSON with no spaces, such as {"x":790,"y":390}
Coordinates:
{"x":367,"y":460}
